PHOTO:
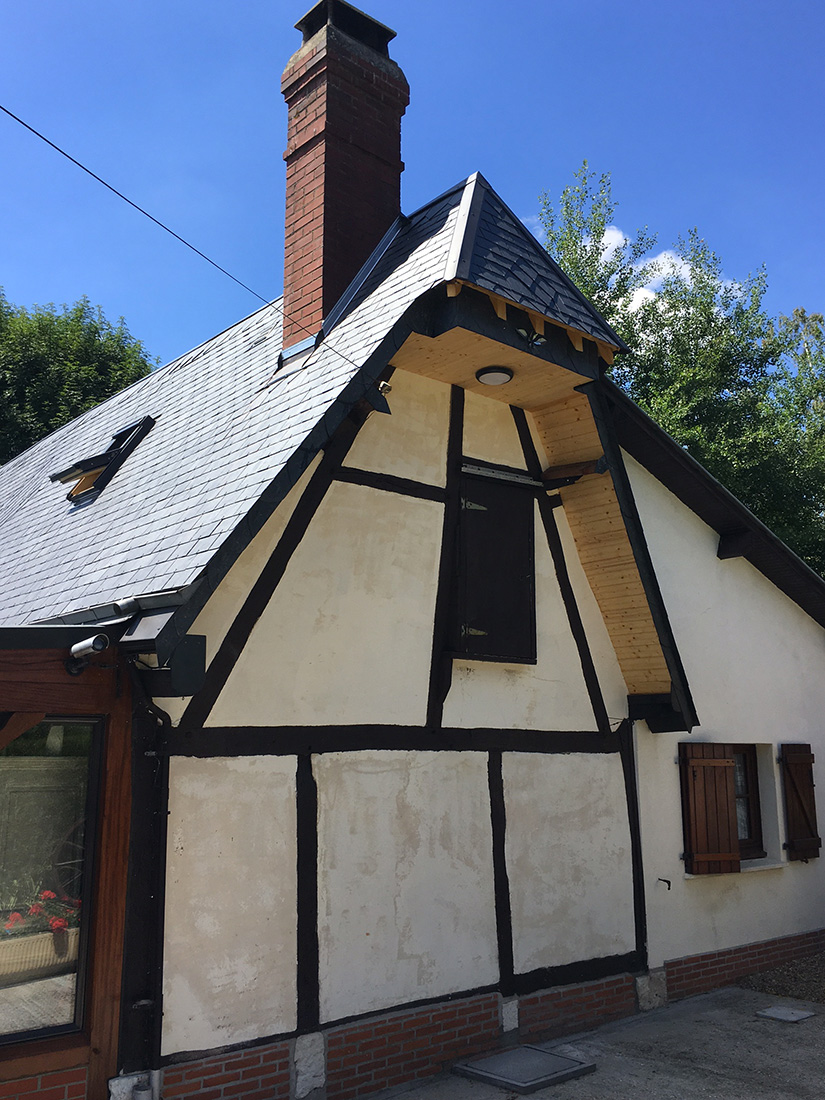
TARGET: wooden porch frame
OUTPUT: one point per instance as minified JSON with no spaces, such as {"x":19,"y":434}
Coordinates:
{"x":34,"y":683}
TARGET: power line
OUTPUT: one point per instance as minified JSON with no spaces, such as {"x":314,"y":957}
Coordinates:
{"x":140,"y":209}
{"x":177,"y":236}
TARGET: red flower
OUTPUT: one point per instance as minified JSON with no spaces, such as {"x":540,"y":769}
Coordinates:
{"x":58,"y":924}
{"x":46,"y":894}
{"x":14,"y":918}
{"x":35,"y":910}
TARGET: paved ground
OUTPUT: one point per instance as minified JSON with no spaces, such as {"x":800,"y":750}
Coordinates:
{"x":712,"y":1046}
{"x":30,"y":1005}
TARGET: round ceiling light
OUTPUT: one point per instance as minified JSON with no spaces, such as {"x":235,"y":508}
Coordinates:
{"x":494,"y":376}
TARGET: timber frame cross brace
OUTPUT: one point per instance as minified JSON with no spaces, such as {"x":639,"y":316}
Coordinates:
{"x":556,"y":477}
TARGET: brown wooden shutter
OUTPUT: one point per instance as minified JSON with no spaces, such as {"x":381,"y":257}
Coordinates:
{"x":496,"y":585}
{"x":709,"y":808}
{"x":800,"y":805}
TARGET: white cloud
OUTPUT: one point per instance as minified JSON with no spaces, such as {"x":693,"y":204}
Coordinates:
{"x":612,"y":239}
{"x":639,"y":296}
{"x":667,"y":263}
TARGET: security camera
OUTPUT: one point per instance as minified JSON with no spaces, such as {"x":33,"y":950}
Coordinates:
{"x":89,"y":646}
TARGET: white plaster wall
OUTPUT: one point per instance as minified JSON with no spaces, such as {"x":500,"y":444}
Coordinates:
{"x":568,"y":858}
{"x":412,"y":441}
{"x":490,"y":432}
{"x":755,"y":662}
{"x":347,"y":635}
{"x":228,"y":598}
{"x":405,"y":889}
{"x":551,"y":694}
{"x":230,"y":954}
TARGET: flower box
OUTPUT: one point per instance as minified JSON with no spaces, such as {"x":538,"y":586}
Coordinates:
{"x":41,"y":955}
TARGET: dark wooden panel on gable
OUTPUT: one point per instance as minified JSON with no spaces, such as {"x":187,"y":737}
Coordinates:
{"x":496,"y":613}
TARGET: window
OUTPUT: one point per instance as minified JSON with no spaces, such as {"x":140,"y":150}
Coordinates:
{"x":720,"y":807}
{"x":91,"y":475}
{"x":748,"y":813}
{"x":496,"y":602}
{"x":47,"y":798}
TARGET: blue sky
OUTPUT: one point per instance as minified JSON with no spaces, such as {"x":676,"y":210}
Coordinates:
{"x":706,"y":114}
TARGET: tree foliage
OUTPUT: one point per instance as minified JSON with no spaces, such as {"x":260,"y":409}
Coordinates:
{"x":55,"y":364}
{"x":740,"y":390}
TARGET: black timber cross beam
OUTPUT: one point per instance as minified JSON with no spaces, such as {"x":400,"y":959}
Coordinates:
{"x":660,"y":711}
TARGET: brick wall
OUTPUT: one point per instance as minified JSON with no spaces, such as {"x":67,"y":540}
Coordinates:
{"x":259,"y":1073}
{"x":370,"y":1055}
{"x":567,"y":1009}
{"x":67,"y":1084}
{"x":701,"y":973}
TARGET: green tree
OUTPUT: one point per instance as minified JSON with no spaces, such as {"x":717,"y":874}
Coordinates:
{"x":607,"y":267}
{"x":55,"y":364}
{"x":742,"y":392}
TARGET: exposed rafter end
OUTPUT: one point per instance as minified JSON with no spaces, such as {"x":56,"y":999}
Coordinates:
{"x":454,"y":288}
{"x":605,"y":351}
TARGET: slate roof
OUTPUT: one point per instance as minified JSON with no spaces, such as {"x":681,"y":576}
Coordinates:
{"x":499,"y":253}
{"x":233,"y":432}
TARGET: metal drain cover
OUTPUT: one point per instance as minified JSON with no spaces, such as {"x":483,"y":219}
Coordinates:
{"x":787,"y":1015}
{"x":524,"y":1069}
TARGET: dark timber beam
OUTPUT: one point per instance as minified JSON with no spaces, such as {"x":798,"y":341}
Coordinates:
{"x":735,"y":544}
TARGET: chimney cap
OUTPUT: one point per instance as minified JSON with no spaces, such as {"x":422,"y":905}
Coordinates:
{"x":357,"y":24}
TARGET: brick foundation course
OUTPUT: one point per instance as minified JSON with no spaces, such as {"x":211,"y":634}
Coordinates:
{"x":371,"y":1055}
{"x":259,"y":1073}
{"x":701,"y":973}
{"x":67,"y":1084}
{"x":571,"y":1008}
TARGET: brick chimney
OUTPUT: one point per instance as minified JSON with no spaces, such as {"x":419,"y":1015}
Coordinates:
{"x":343,"y":158}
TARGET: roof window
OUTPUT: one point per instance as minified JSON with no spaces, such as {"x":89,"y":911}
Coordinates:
{"x":92,"y":475}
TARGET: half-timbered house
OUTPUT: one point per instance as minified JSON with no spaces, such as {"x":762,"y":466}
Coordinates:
{"x":377,"y":682}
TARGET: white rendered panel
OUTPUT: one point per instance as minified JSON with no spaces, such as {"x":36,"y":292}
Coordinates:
{"x":228,"y":598}
{"x":551,"y":694}
{"x":406,"y":906}
{"x":412,"y":441}
{"x":490,"y":431}
{"x":568,"y":857}
{"x":754,"y":662}
{"x":230,"y":953}
{"x":347,"y":635}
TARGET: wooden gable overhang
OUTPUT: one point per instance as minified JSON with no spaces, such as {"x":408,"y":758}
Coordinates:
{"x":558,"y":379}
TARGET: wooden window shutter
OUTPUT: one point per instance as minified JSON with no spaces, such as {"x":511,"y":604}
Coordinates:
{"x":496,"y":588}
{"x":800,"y":806}
{"x":709,"y":808}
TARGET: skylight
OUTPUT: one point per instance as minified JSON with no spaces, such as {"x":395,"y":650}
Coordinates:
{"x":91,"y":475}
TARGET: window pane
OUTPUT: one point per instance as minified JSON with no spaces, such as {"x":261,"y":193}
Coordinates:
{"x":743,"y":827}
{"x":44,"y":778}
{"x":740,"y":774}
